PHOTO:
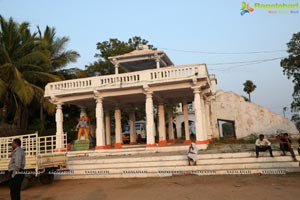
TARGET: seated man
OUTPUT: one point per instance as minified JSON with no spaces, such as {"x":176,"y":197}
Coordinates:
{"x":286,"y":145}
{"x":262,"y":144}
{"x":193,"y":151}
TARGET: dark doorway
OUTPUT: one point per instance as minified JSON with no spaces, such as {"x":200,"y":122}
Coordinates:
{"x":226,"y":129}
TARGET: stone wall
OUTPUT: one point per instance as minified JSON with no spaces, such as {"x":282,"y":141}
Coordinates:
{"x":248,"y":117}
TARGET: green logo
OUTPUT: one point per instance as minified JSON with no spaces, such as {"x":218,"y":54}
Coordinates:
{"x":271,"y":8}
{"x":246,"y":8}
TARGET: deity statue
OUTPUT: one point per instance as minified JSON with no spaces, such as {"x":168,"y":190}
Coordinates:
{"x":83,"y":127}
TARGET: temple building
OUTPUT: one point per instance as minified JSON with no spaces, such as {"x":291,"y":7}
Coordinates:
{"x":153,"y":83}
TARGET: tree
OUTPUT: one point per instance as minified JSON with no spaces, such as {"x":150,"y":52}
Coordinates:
{"x":113,"y":47}
{"x":296,"y":119}
{"x":59,"y":57}
{"x":27,"y":63}
{"x":17,"y":54}
{"x":103,"y":66}
{"x":291,"y":68}
{"x":249,"y":87}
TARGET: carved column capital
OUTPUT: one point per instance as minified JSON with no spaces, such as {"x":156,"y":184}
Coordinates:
{"x":97,"y":96}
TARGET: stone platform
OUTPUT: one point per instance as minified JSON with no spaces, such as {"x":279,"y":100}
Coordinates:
{"x":142,"y":162}
{"x":81,"y":145}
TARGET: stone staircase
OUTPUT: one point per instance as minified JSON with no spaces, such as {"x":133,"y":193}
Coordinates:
{"x":141,"y":162}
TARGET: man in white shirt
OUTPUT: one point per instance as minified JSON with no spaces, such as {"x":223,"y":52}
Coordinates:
{"x":263,"y":144}
{"x":193,"y":151}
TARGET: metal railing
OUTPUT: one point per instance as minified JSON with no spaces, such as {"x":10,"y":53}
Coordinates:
{"x":28,"y":143}
{"x":32,"y":144}
{"x":47,"y":144}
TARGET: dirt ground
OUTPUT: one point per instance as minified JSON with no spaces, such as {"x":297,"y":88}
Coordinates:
{"x":189,"y":187}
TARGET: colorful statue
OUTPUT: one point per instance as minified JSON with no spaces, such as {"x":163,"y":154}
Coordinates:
{"x":82,"y":127}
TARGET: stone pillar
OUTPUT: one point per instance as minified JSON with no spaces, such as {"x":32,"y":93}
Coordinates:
{"x":149,"y":120}
{"x":117,"y":69}
{"x":161,"y":125}
{"x":186,"y":123}
{"x":178,"y":129}
{"x":170,"y":125}
{"x":107,"y":129}
{"x":100,"y":136}
{"x":157,"y":60}
{"x":203,"y":113}
{"x":116,"y":64}
{"x":59,"y":143}
{"x":118,"y":128}
{"x":132,"y":127}
{"x":200,"y":135}
{"x":208,"y":127}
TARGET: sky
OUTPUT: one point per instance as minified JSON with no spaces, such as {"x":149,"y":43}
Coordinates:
{"x":189,"y":31}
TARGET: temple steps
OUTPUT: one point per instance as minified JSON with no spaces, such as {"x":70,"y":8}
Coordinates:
{"x":128,"y":150}
{"x":175,"y":163}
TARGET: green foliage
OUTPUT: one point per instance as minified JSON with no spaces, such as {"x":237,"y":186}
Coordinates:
{"x":253,"y":137}
{"x":245,"y":98}
{"x":17,"y":53}
{"x":249,"y":87}
{"x":291,"y":68}
{"x":296,"y":119}
{"x":113,"y":47}
{"x":59,"y":56}
{"x":28,"y":61}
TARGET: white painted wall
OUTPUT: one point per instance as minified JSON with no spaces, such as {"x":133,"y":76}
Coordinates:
{"x":249,"y":118}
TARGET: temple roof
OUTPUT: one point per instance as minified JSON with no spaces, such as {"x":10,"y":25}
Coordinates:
{"x":142,"y":59}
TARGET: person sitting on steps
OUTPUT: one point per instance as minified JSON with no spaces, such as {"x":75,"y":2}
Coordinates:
{"x":286,"y":145}
{"x":193,"y":151}
{"x":262,"y":144}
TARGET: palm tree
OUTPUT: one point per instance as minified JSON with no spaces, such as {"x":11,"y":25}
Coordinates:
{"x":27,"y":64}
{"x":249,"y":87}
{"x":16,"y":55}
{"x":59,"y":58}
